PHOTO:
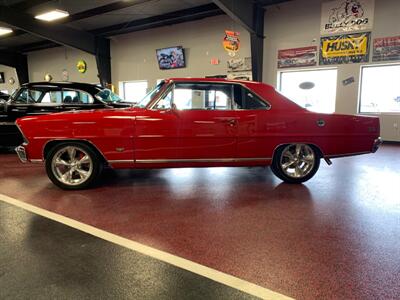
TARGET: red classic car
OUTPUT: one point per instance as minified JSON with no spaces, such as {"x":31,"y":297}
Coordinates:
{"x":195,"y":123}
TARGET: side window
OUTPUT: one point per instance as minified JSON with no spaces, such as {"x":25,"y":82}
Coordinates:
{"x":203,"y":96}
{"x":165,"y":102}
{"x":26,"y":96}
{"x":54,"y":97}
{"x":76,"y":97}
{"x":244,"y":99}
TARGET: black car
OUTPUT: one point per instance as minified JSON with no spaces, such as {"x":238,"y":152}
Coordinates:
{"x":44,"y":97}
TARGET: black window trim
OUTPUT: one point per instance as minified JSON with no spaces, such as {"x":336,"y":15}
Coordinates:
{"x":172,"y":86}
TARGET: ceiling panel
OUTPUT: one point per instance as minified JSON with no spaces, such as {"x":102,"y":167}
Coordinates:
{"x":140,"y":11}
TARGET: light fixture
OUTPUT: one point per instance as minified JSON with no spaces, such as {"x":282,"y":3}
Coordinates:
{"x":52,"y":15}
{"x":5,"y":30}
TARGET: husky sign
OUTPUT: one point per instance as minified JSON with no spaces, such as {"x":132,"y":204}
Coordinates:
{"x":344,"y":49}
{"x":347,"y":16}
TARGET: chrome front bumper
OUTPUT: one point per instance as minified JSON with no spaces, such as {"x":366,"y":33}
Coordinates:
{"x":377,"y":143}
{"x":21,"y":153}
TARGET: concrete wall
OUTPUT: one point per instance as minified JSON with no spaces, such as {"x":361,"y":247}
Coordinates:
{"x":8,"y":73}
{"x":53,"y":61}
{"x":134,"y":54}
{"x":297,"y":23}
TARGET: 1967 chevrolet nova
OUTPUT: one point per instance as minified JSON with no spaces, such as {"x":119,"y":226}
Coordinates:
{"x":195,"y":123}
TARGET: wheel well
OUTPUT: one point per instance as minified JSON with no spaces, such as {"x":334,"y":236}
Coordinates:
{"x":315,"y":148}
{"x":51,"y":144}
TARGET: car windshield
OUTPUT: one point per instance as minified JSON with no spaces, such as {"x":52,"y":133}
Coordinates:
{"x":107,"y":95}
{"x":151,"y":95}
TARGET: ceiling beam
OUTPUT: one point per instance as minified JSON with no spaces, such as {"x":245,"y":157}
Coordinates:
{"x":78,"y":16}
{"x":180,"y":16}
{"x":57,"y":33}
{"x":175,"y":17}
{"x":242,"y":12}
{"x":27,"y":4}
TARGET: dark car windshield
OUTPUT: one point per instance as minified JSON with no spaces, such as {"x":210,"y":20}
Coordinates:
{"x":151,"y":95}
{"x":107,"y":95}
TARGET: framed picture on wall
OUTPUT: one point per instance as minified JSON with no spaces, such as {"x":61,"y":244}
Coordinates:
{"x":2,"y":79}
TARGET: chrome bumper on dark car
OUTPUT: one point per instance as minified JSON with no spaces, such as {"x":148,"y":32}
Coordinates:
{"x":377,"y":143}
{"x":21,"y":153}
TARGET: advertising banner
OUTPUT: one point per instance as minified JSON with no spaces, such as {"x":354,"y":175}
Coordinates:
{"x":387,"y":48}
{"x":231,"y":42}
{"x":344,"y":49}
{"x":297,"y":57}
{"x":347,"y":16}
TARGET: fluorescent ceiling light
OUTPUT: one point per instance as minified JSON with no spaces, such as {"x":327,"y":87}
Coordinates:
{"x":5,"y":30}
{"x":52,"y":15}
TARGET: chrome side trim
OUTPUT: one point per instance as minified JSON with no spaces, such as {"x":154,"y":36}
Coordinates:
{"x":122,"y":161}
{"x":7,"y":123}
{"x":199,"y":160}
{"x":36,"y":161}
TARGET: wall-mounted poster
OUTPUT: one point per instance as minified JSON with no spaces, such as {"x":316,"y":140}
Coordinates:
{"x":345,"y":49}
{"x":239,"y":64}
{"x":347,"y":16}
{"x":297,"y":57}
{"x":231,"y":42}
{"x":387,"y":48}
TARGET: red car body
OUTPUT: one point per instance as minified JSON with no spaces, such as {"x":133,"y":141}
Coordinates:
{"x":157,"y":138}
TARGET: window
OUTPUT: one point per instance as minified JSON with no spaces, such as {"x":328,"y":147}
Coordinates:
{"x":244,"y":99}
{"x":52,"y":97}
{"x":380,"y":89}
{"x":76,"y":97}
{"x":133,"y":91}
{"x":28,"y":96}
{"x":314,"y":90}
{"x":202,"y":96}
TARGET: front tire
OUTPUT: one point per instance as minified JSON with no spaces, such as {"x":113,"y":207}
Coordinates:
{"x":73,"y":166}
{"x":295,"y":163}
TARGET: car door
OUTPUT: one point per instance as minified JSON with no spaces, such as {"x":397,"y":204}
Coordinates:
{"x":156,"y":132}
{"x":207,"y":121}
{"x":254,"y":139}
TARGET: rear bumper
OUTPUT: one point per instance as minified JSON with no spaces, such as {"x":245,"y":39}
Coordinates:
{"x":377,"y":144}
{"x":21,"y":154}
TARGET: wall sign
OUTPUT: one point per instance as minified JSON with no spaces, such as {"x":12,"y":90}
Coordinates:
{"x":297,"y":57}
{"x":347,"y":16}
{"x":387,"y":48}
{"x":344,"y":49}
{"x":231,"y":42}
{"x":81,"y":66}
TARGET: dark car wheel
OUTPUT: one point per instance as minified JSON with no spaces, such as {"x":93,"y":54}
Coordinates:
{"x":73,"y":166}
{"x":295,"y":163}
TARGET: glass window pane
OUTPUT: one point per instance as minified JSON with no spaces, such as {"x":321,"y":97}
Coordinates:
{"x":134,"y":91}
{"x":202,"y":96}
{"x":52,"y":97}
{"x":380,"y":89}
{"x":314,"y":90}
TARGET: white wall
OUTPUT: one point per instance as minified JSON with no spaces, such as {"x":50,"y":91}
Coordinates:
{"x":53,"y":61}
{"x":134,"y":54}
{"x":8,"y":73}
{"x":297,"y":23}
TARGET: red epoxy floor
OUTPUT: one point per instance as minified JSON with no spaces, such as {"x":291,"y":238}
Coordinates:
{"x":335,"y":237}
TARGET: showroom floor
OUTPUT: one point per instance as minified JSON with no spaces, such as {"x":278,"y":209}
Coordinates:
{"x":334,"y":237}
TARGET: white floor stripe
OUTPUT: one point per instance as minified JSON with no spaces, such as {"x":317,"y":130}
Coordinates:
{"x":226,"y":279}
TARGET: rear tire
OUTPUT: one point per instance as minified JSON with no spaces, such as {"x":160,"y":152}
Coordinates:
{"x":73,"y":165}
{"x":295,"y":163}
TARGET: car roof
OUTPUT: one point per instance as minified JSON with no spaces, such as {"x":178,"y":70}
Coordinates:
{"x":92,"y":88}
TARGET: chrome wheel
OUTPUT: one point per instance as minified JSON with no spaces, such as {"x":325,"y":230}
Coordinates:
{"x":72,"y":165}
{"x":297,"y":160}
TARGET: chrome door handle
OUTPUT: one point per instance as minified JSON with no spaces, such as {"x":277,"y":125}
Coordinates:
{"x":231,"y":122}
